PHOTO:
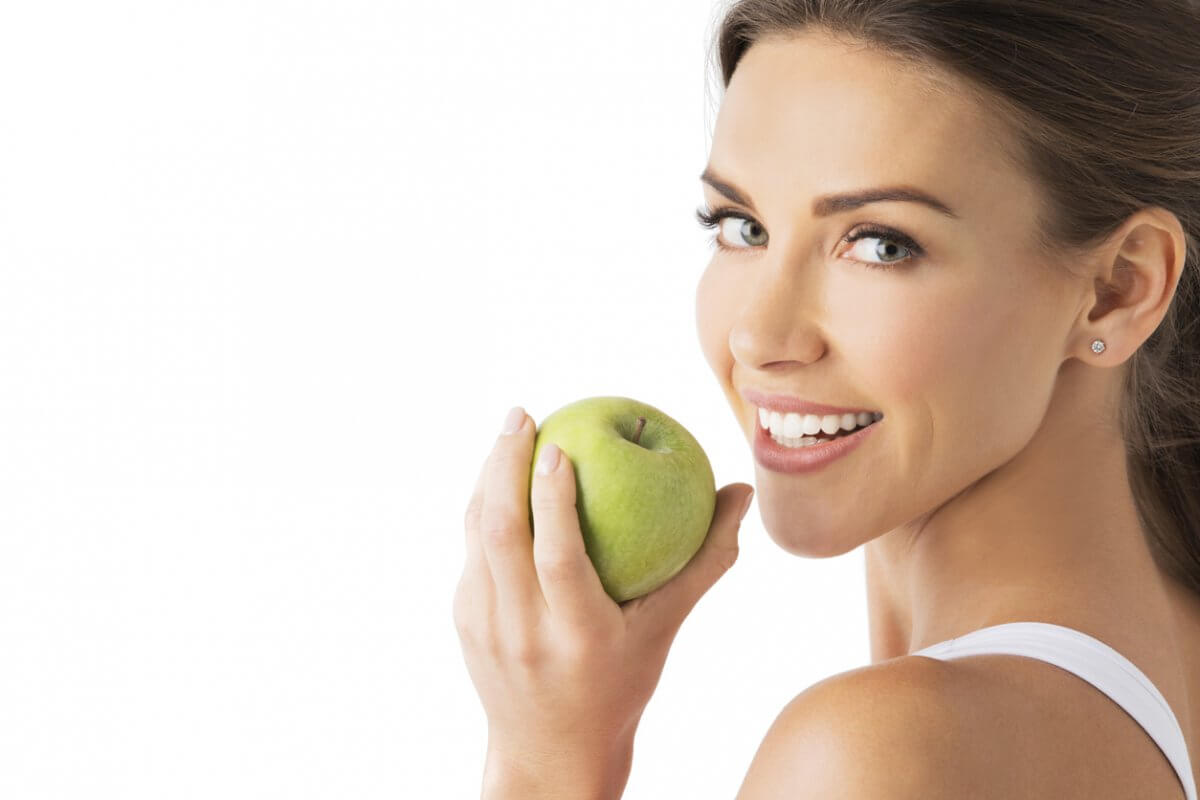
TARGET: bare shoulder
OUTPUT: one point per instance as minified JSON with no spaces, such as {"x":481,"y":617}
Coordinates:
{"x":985,"y":727}
{"x":885,"y":732}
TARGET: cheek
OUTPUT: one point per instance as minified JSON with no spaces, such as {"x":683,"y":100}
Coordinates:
{"x":964,"y":369}
{"x":926,"y":354}
{"x":909,"y":343}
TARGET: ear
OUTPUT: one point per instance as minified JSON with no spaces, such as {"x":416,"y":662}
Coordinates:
{"x":1135,"y":285}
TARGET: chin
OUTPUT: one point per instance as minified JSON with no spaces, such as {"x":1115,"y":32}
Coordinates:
{"x":810,"y":542}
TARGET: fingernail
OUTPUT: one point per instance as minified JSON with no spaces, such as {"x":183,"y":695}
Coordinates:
{"x":547,"y":459}
{"x":746,"y":507}
{"x":512,"y":423}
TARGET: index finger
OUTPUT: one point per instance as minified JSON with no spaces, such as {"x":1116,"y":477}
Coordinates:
{"x":569,"y":581}
{"x":504,"y":528}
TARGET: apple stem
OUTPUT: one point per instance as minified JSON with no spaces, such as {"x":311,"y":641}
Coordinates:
{"x":638,"y":433}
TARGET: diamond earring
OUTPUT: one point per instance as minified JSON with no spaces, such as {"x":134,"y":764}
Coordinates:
{"x":1097,"y":347}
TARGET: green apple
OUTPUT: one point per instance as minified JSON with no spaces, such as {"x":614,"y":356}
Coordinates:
{"x":644,"y":490}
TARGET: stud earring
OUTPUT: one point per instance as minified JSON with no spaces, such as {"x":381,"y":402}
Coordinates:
{"x":1097,"y":347}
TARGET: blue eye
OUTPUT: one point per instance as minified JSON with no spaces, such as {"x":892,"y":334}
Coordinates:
{"x":712,"y":219}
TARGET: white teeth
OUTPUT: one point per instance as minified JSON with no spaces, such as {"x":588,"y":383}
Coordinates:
{"x":794,"y":426}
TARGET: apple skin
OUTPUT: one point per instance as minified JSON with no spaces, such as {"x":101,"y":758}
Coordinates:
{"x":644,"y":508}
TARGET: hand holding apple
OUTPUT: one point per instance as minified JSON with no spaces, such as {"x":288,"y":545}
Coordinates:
{"x":563,"y":671}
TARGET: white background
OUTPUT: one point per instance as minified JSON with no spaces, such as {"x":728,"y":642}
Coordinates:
{"x":271,"y":274}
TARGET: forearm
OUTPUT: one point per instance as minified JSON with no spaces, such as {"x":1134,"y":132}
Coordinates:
{"x":594,"y":776}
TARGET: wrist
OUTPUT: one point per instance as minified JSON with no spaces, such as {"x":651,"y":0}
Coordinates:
{"x":581,"y":776}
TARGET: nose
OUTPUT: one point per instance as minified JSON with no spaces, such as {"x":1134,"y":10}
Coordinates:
{"x":778,"y":323}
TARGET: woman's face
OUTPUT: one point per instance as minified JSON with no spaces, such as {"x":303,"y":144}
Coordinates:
{"x":957,"y":346}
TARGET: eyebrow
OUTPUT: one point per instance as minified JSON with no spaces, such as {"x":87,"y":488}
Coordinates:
{"x":829,"y":204}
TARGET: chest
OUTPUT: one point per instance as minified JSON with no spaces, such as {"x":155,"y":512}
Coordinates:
{"x":1032,"y":730}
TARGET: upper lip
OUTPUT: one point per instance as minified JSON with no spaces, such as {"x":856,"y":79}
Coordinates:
{"x":785,"y":404}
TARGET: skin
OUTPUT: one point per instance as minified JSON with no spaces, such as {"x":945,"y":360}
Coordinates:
{"x":995,"y":489}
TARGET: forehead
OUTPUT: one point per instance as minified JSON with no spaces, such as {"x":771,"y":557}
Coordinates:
{"x":811,"y":111}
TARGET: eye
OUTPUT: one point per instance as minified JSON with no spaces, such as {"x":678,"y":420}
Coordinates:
{"x":712,"y":219}
{"x":886,"y":235}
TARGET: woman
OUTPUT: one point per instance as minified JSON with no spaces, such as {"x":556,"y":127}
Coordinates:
{"x":970,"y":227}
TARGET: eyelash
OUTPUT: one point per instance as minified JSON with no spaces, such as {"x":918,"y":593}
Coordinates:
{"x":711,"y":219}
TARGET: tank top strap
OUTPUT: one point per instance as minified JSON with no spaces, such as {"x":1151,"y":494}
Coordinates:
{"x":1093,"y":661}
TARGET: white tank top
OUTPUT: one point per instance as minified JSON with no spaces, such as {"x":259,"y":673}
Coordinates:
{"x":1092,"y":660}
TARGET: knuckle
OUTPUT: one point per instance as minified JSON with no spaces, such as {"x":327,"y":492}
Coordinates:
{"x":460,"y":610}
{"x":523,"y":650}
{"x":726,"y":558}
{"x":474,"y":511}
{"x":541,"y":498}
{"x":584,"y":646}
{"x":466,"y":632}
{"x":504,"y":458}
{"x":578,"y":650}
{"x":498,"y":531}
{"x":559,"y":566}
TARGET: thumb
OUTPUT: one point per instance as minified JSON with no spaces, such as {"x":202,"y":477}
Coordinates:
{"x":666,"y":607}
{"x":720,"y":548}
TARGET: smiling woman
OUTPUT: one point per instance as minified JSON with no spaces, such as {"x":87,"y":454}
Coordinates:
{"x":954,"y":306}
{"x":980,"y":218}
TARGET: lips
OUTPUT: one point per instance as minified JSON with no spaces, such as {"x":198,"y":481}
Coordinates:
{"x":800,"y":460}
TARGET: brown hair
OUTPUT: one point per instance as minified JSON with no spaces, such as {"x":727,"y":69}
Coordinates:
{"x":1102,"y":101}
